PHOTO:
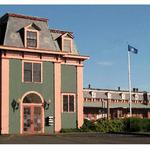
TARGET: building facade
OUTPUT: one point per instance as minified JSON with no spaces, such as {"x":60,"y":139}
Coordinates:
{"x":112,"y":104}
{"x":41,"y":76}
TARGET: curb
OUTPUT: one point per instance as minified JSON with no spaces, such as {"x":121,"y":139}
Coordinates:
{"x":79,"y":134}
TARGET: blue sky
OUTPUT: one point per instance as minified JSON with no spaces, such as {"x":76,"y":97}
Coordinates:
{"x":103,"y":32}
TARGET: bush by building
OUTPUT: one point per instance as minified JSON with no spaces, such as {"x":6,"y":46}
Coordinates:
{"x":137,"y":125}
{"x":110,"y":126}
{"x":118,"y":125}
{"x":103,"y":126}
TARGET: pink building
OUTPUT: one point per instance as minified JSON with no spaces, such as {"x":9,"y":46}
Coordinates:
{"x":41,"y":77}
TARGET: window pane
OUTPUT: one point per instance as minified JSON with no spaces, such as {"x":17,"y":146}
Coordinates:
{"x":32,"y":98}
{"x":28,"y":72}
{"x":31,"y":39}
{"x":36,"y":72}
{"x":65,"y":103}
{"x":31,"y":43}
{"x":71,"y":103}
{"x":67,"y":45}
{"x":31,"y":35}
{"x":37,"y":119}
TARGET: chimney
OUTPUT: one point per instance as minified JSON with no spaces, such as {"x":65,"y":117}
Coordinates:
{"x":134,"y":89}
{"x":89,"y":86}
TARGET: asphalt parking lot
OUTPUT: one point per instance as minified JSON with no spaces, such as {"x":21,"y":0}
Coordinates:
{"x":76,"y":138}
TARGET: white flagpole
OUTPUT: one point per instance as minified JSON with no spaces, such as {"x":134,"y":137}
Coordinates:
{"x":129,"y":78}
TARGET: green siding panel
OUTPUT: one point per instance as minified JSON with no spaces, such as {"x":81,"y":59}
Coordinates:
{"x":68,"y":120}
{"x":18,"y":89}
{"x":68,"y":85}
{"x":68,"y":78}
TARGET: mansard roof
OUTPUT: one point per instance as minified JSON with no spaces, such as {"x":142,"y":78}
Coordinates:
{"x":14,"y":36}
{"x":57,"y":35}
{"x":24,"y":17}
{"x":115,"y":94}
{"x":11,"y":31}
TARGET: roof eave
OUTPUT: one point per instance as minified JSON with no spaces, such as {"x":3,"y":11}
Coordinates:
{"x":76,"y":56}
{"x":47,"y":51}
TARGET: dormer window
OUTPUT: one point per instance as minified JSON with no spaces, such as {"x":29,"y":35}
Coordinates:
{"x":67,"y":42}
{"x":31,"y":39}
{"x":136,"y":96}
{"x":93,"y":94}
{"x":123,"y":96}
{"x":67,"y":45}
{"x":32,"y":36}
{"x":108,"y":94}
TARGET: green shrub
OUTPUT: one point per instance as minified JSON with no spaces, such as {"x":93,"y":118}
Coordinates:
{"x":87,"y":126}
{"x":146,"y":125}
{"x":103,"y":126}
{"x":117,"y":125}
{"x":137,"y":125}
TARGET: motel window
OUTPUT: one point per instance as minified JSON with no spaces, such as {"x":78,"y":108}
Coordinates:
{"x":32,"y":72}
{"x":68,"y":103}
{"x":31,"y":39}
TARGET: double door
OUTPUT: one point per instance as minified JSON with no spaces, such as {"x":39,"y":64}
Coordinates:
{"x":32,"y":119}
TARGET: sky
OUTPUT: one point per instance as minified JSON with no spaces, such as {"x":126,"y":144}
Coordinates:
{"x":103,"y":32}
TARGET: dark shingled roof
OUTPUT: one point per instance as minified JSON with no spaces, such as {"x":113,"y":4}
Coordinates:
{"x":56,"y":35}
{"x":12,"y":32}
{"x":60,"y":31}
{"x":115,"y":94}
{"x":24,"y":17}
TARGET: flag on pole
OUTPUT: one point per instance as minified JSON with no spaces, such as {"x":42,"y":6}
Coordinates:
{"x":132,"y":49}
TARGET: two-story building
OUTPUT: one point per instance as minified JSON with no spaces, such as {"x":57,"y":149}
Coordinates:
{"x":112,"y":104}
{"x":41,"y":77}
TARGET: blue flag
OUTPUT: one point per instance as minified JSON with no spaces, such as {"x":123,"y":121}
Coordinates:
{"x":132,"y":49}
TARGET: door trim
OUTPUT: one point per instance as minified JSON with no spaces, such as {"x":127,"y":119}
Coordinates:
{"x":22,"y":117}
{"x":33,"y":104}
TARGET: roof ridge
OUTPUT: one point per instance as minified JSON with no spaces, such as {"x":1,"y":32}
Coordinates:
{"x":60,"y":31}
{"x":25,"y":17}
{"x":112,"y":90}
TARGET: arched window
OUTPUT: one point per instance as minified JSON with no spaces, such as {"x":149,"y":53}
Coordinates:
{"x":32,"y":98}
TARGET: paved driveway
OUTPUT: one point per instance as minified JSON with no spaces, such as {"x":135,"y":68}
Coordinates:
{"x":77,"y":138}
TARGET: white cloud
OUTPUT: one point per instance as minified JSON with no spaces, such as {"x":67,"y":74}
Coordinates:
{"x":105,"y":63}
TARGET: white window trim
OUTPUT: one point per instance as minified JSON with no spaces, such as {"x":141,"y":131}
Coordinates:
{"x":67,"y":38}
{"x":26,"y":29}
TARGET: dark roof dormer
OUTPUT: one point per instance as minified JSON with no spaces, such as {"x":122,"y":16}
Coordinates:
{"x":64,"y":41}
{"x":33,"y":26}
{"x":31,"y":36}
{"x":67,"y":43}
